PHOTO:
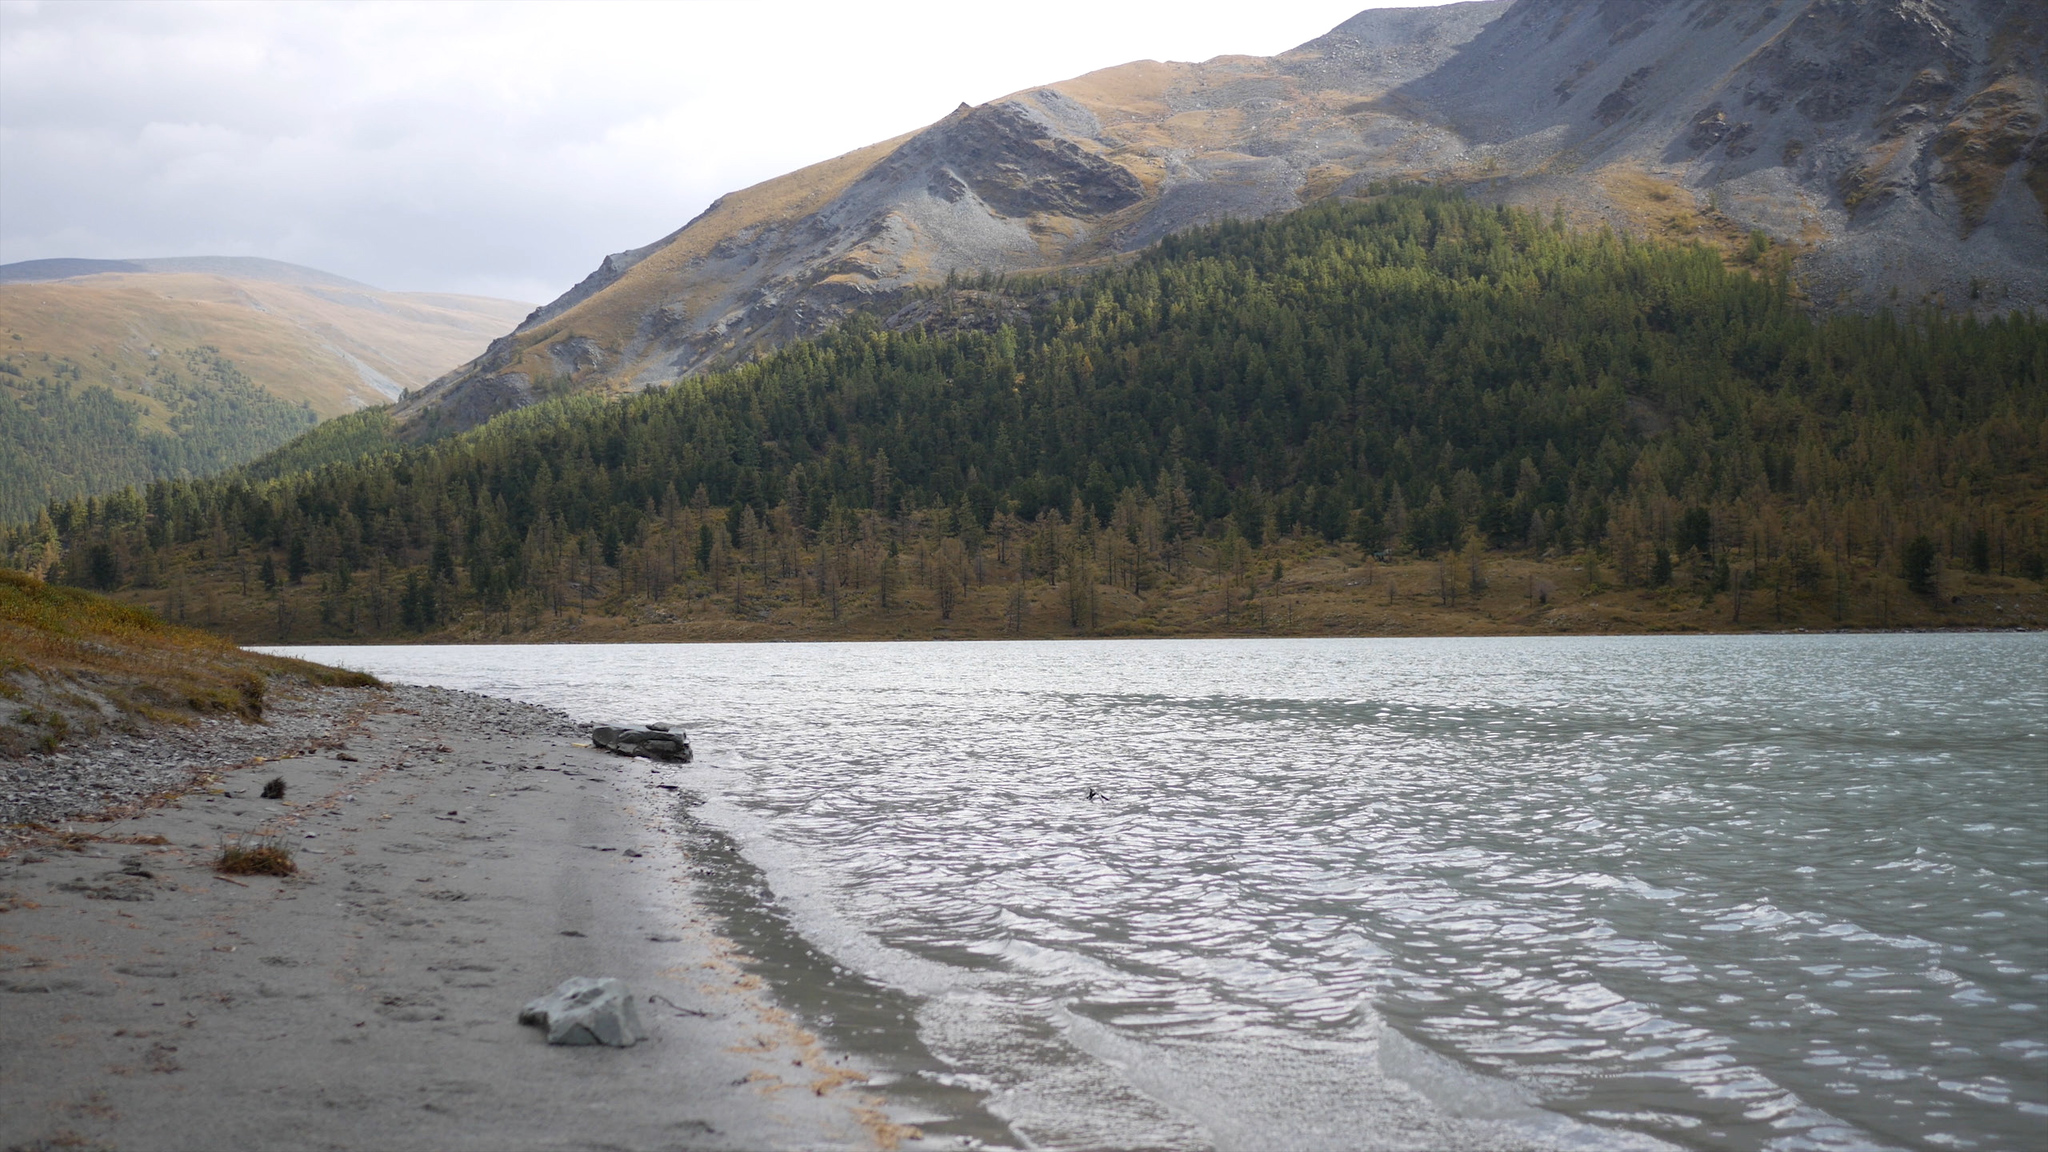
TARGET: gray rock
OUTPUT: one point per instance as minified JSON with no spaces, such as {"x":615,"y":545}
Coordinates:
{"x":587,"y":1010}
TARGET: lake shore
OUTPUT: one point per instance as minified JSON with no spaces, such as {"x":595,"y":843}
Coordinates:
{"x":457,"y":856}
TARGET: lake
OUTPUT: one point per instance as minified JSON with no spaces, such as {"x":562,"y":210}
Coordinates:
{"x":1778,"y":892}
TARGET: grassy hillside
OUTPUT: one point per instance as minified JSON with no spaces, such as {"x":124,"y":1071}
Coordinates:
{"x":111,"y":380}
{"x":336,"y":348}
{"x":72,"y":662}
{"x":1520,"y":419}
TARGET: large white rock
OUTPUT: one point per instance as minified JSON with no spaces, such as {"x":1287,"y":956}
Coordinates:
{"x":587,"y":1010}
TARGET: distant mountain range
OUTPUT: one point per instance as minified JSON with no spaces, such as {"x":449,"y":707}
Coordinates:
{"x":206,"y":361}
{"x":1894,"y":146}
{"x":233,"y":267}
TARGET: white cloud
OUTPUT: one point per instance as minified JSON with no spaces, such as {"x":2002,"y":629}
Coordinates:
{"x":501,"y":148}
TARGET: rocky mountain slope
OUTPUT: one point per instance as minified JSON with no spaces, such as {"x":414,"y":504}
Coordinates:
{"x":301,"y":334}
{"x":1893,"y":148}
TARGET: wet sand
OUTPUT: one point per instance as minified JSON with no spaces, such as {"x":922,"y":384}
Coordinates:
{"x":468,"y":859}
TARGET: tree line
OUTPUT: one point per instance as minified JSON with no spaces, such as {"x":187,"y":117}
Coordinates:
{"x":1409,"y":373}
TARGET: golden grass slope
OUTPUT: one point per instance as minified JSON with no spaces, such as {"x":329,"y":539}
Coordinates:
{"x":337,"y":349}
{"x":613,"y":317}
{"x":75,"y":662}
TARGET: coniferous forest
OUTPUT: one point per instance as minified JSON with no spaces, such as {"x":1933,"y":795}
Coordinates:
{"x":1411,"y":383}
{"x":59,"y":437}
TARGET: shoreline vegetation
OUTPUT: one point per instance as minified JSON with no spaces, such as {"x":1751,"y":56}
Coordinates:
{"x":1404,"y":415}
{"x":76,"y":663}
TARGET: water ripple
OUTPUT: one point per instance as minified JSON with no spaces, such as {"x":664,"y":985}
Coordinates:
{"x":1765,"y":893}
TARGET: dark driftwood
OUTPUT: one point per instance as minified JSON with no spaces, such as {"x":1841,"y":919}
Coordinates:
{"x":655,"y":740}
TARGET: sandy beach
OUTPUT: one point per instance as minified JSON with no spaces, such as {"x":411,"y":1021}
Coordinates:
{"x":458,"y":856}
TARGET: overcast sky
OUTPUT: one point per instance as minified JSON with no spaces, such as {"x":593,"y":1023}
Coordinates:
{"x":503,"y":149}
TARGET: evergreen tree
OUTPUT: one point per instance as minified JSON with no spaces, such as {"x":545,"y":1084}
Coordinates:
{"x":1917,"y":565}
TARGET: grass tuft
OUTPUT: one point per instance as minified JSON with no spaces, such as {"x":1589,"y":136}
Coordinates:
{"x":264,"y":857}
{"x":327,"y":677}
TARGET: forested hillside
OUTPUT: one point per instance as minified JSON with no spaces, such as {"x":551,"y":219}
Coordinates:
{"x":119,"y":372}
{"x":1409,"y":376}
{"x":199,"y":414}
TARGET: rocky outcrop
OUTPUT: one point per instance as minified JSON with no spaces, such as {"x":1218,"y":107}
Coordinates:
{"x":964,"y":310}
{"x":1895,"y":144}
{"x":1018,"y":166}
{"x":1886,"y":141}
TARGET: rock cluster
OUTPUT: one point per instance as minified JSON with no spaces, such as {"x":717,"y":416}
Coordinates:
{"x":655,"y":740}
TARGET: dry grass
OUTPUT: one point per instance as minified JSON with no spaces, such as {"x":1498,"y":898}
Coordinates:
{"x":1980,"y":146}
{"x":77,"y":661}
{"x":50,"y":838}
{"x":285,"y":336}
{"x":1664,"y":210}
{"x":266,"y":856}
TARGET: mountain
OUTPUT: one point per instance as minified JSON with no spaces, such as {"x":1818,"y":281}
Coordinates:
{"x":1892,"y":147}
{"x":235,"y":267}
{"x":117,"y":372}
{"x":305,"y":335}
{"x":1626,"y":434}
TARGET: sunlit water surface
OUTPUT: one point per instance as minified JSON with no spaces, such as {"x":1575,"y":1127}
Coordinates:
{"x":1728,"y":893}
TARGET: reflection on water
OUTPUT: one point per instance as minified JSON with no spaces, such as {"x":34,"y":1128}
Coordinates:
{"x":1778,"y":892}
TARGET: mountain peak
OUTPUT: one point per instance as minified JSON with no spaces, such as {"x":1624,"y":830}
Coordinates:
{"x":1896,"y":146}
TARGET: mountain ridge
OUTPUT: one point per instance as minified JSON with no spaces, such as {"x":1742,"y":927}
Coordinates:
{"x":307,"y":335}
{"x":1893,"y":148}
{"x":239,"y":267}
